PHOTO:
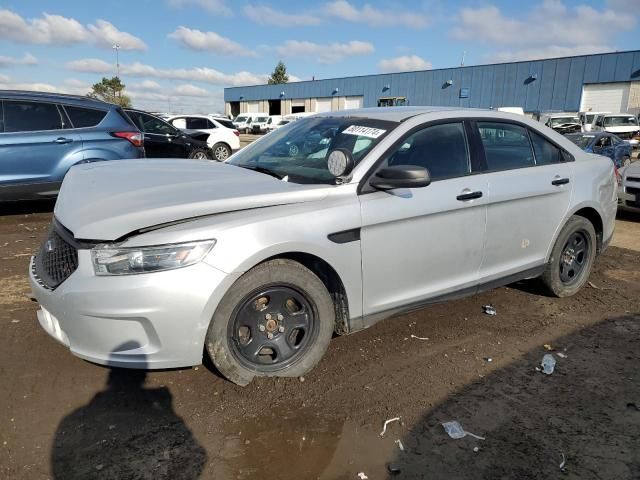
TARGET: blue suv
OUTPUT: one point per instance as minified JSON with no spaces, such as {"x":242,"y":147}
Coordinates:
{"x":42,"y":135}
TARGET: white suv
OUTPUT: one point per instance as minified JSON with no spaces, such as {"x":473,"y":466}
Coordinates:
{"x":223,"y":139}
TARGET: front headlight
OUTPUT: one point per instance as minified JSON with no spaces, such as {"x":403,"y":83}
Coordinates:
{"x":126,"y":261}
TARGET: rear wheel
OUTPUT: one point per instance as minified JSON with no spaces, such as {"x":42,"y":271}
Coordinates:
{"x":572,"y":258}
{"x":199,"y":154}
{"x":221,"y":152}
{"x":276,"y":320}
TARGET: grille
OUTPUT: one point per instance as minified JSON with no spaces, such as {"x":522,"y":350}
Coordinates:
{"x":56,"y":260}
{"x":633,"y":179}
{"x":625,"y":135}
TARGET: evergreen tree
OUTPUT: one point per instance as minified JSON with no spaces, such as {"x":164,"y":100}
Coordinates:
{"x":279,"y":74}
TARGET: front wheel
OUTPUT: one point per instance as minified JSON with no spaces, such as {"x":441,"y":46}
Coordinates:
{"x":572,"y":258}
{"x":221,"y":152}
{"x":276,"y":320}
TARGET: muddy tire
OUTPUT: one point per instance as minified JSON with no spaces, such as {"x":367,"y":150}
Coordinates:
{"x":572,"y":258}
{"x":221,"y":151}
{"x":275,"y":321}
{"x":200,"y":154}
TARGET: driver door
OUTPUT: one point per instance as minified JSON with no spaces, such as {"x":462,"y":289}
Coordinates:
{"x":161,"y":140}
{"x":422,"y":243}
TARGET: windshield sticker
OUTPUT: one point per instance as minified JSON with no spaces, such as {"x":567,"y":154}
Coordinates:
{"x":363,"y":131}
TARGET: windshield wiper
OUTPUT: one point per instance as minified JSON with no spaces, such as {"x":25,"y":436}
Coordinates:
{"x":264,"y":170}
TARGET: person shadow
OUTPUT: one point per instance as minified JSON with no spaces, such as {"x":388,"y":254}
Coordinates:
{"x":126,"y":431}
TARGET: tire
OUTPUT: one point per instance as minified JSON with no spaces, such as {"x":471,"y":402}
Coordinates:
{"x":626,"y":160}
{"x":200,"y":154}
{"x":221,"y":151}
{"x":578,"y":235}
{"x":239,"y":354}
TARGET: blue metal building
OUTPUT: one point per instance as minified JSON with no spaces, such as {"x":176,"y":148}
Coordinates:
{"x":600,"y":82}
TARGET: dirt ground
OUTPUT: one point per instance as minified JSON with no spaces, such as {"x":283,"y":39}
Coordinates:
{"x":64,"y":418}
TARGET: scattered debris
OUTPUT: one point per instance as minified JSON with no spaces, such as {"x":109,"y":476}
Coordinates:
{"x":387,"y":422}
{"x":362,"y":476}
{"x":489,"y":310}
{"x":563,"y":463}
{"x":548,"y":364}
{"x":419,"y":338}
{"x":15,"y":321}
{"x":455,"y":430}
{"x":547,"y":346}
{"x":400,"y":445}
{"x":99,"y":467}
{"x":476,"y":449}
{"x":633,"y":405}
{"x":488,"y":359}
{"x":301,"y":379}
{"x":393,"y":468}
{"x":593,"y":285}
{"x":561,"y":355}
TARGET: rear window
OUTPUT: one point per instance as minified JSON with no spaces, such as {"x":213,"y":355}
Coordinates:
{"x":31,"y":116}
{"x":626,"y":121}
{"x":226,"y":123}
{"x":506,"y":146}
{"x":582,"y":141}
{"x":84,"y":117}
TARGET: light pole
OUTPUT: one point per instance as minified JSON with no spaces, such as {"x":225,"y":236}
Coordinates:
{"x":116,"y":47}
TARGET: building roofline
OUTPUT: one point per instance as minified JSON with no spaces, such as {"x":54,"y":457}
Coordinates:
{"x":438,"y":69}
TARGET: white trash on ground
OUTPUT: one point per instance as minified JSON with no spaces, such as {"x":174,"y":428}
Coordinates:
{"x":489,"y":309}
{"x":455,"y":430}
{"x":387,"y":422}
{"x":548,"y":363}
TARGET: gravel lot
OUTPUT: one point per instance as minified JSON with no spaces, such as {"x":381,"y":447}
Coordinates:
{"x":63,"y":418}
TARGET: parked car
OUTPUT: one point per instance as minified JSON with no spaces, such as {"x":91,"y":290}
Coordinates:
{"x":604,"y":143}
{"x":623,"y":125}
{"x":42,"y":135}
{"x":223,"y":138}
{"x":629,"y":188}
{"x":280,"y":124}
{"x":260,"y":259}
{"x":244,"y":121}
{"x":586,"y":119}
{"x":162,"y":140}
{"x":562,"y":123}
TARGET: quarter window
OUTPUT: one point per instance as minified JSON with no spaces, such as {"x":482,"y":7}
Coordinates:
{"x":31,"y":116}
{"x":441,"y":149}
{"x":546,"y":152}
{"x":84,"y":117}
{"x":506,"y":146}
{"x":196,"y":123}
{"x":155,"y":125}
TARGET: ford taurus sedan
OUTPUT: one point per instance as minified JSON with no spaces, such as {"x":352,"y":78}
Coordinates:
{"x":328,"y":224}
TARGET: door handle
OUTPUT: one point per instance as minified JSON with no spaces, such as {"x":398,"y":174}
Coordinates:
{"x":468,"y":195}
{"x":63,"y":140}
{"x":559,"y":181}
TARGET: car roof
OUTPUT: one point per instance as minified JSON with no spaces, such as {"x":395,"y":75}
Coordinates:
{"x":54,"y":97}
{"x":395,"y":114}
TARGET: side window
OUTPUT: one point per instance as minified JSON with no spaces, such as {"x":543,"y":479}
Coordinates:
{"x":31,"y":116}
{"x":179,"y":122}
{"x":615,"y":141}
{"x":195,"y":123}
{"x":546,"y":152}
{"x":506,"y":146}
{"x":210,"y":124}
{"x":155,"y":125}
{"x":441,"y":149}
{"x":84,"y":117}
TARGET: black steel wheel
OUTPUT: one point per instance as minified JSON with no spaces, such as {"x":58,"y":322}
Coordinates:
{"x":277,"y":319}
{"x":572,"y":257}
{"x":271,"y":327}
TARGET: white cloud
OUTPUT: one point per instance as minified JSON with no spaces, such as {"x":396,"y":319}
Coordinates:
{"x":550,"y":28}
{"x":197,"y":74}
{"x":106,"y":35}
{"x":324,"y":53}
{"x":374,"y":17}
{"x":4,"y":79}
{"x":405,"y":63}
{"x":208,"y":41}
{"x":212,"y":6}
{"x":268,"y":16}
{"x":188,"y":90}
{"x":7,"y":84}
{"x":59,"y":30}
{"x":27,"y":59}
{"x":146,"y":85}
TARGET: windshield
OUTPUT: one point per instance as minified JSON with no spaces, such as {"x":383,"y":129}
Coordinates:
{"x":590,"y":118}
{"x":298,"y":151}
{"x":622,"y":121}
{"x":284,"y":122}
{"x":582,"y":141}
{"x":261,"y":119}
{"x":562,"y":120}
{"x":240,"y":119}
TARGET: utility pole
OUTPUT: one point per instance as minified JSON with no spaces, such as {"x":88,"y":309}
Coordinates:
{"x":464,"y":54}
{"x":116,"y":47}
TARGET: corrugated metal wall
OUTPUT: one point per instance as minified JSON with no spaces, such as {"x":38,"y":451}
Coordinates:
{"x":558,"y":85}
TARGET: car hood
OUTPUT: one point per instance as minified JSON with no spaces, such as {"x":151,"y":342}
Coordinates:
{"x":623,"y":129}
{"x":108,"y":200}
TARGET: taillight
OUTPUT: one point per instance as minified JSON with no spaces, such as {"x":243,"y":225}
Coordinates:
{"x":134,"y":137}
{"x":236,"y":133}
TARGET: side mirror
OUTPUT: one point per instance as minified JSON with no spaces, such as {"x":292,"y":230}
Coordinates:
{"x":340,"y":162}
{"x":400,"y":176}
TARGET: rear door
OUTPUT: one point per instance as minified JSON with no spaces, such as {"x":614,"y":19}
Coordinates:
{"x":529,"y":183}
{"x":35,"y":142}
{"x":161,"y":140}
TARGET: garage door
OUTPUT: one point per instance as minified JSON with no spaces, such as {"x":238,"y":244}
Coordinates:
{"x":323,"y":105}
{"x":253,"y":107}
{"x":605,"y":97}
{"x":353,"y":102}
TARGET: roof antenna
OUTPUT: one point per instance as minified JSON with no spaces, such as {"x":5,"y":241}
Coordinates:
{"x":464,"y":54}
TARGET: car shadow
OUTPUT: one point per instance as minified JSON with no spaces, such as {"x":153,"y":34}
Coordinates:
{"x":126,"y":431}
{"x":27,"y":207}
{"x":584,"y":416}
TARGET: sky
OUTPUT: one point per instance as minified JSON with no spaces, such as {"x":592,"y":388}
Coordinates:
{"x":178,"y":55}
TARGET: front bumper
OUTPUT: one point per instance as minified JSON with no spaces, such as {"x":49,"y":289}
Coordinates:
{"x":629,"y":196}
{"x":154,"y":320}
